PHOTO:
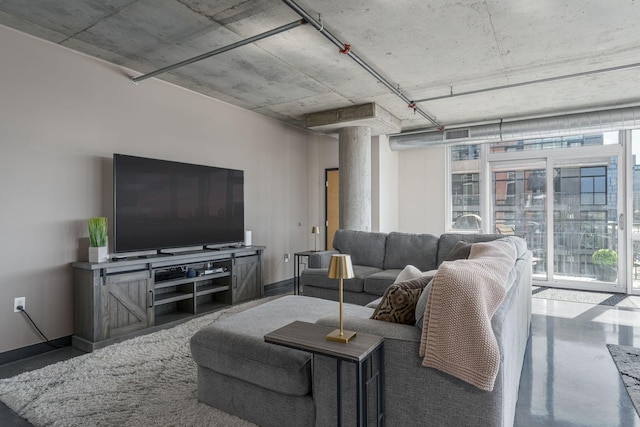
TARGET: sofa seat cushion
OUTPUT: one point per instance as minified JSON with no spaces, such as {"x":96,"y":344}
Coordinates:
{"x":378,"y":282}
{"x":235,"y":346}
{"x":318,"y":277}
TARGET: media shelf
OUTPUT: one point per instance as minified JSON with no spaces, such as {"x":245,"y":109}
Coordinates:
{"x":211,"y":289}
{"x":115,"y":300}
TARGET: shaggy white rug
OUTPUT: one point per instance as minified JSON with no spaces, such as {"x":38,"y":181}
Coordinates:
{"x":145,"y":381}
{"x":627,"y":360}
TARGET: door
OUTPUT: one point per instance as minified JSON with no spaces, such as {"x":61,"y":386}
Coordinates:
{"x":585,"y":222}
{"x":332,"y":200}
{"x":126,"y":303}
{"x":567,"y":208}
{"x":633,"y":233}
{"x":246,"y":283}
{"x":519,"y":200}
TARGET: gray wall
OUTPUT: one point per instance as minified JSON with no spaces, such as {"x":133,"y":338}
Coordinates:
{"x":63,"y":115}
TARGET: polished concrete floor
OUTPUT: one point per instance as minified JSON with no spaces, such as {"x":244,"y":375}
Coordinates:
{"x":568,"y":379}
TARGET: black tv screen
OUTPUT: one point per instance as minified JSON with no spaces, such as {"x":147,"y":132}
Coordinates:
{"x":161,"y":204}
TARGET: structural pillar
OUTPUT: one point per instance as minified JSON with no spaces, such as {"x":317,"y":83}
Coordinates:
{"x":355,"y":178}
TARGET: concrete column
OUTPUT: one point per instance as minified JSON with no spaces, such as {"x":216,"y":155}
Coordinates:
{"x":355,"y":178}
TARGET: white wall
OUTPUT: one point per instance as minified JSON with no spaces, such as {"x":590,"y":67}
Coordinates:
{"x":422,"y":190}
{"x":63,"y":115}
{"x":384,"y":186}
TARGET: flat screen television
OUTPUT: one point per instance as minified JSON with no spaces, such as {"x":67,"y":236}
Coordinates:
{"x":160,"y":204}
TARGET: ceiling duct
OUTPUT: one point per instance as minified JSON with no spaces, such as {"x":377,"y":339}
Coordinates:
{"x":547,"y":127}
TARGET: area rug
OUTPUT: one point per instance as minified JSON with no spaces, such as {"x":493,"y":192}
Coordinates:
{"x":601,"y":298}
{"x":627,"y":360}
{"x":145,"y":381}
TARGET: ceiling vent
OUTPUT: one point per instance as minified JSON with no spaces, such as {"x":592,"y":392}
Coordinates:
{"x":456,"y":134}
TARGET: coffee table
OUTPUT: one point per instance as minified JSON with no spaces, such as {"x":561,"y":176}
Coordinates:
{"x":360,"y":350}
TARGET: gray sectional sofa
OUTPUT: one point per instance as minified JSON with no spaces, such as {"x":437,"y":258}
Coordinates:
{"x":270,"y":385}
{"x":377,"y":260}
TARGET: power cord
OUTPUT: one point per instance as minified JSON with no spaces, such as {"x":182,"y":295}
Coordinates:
{"x":22,"y":310}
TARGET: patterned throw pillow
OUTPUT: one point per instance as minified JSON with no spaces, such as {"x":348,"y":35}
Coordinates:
{"x":398,"y":303}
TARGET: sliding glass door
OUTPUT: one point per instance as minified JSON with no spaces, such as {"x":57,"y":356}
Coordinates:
{"x":634,"y":232}
{"x":565,"y":204}
{"x":519,"y":199}
{"x":585,"y":223}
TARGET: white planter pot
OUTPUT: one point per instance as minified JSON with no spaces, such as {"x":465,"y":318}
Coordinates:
{"x":99,"y":254}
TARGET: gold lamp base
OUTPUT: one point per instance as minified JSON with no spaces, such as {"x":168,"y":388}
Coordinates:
{"x":343,"y":337}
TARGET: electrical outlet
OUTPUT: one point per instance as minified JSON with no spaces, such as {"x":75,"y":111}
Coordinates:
{"x":20,"y":301}
{"x":286,"y":257}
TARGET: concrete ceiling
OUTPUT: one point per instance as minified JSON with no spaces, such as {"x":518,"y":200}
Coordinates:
{"x":428,"y":49}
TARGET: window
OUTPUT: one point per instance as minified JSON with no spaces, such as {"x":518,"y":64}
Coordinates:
{"x":593,"y":185}
{"x":562,"y":201}
{"x":465,"y":192}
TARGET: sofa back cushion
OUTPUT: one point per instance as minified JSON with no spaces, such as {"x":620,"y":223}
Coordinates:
{"x":449,"y":240}
{"x":411,"y":249}
{"x":365,"y":247}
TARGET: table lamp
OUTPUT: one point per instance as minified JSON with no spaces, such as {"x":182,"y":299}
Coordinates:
{"x":315,"y":231}
{"x":340,"y":268}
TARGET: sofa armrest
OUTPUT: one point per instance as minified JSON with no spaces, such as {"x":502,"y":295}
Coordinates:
{"x":321,"y":259}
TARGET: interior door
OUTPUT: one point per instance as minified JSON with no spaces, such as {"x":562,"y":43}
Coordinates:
{"x":332,"y":199}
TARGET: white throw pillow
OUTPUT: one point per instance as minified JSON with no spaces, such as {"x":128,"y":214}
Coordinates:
{"x":408,"y":273}
{"x":421,"y":305}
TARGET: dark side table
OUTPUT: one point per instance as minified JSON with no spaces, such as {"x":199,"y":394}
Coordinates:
{"x":311,"y":337}
{"x":297,"y":260}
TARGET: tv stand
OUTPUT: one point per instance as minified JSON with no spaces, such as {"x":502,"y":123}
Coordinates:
{"x":116,"y":300}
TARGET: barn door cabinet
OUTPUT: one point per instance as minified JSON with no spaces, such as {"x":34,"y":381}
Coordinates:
{"x":116,"y":300}
{"x":247,"y":283}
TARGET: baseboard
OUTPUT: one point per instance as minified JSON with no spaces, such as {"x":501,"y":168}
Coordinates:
{"x":279,"y":285}
{"x":33,"y":350}
{"x":41,"y":348}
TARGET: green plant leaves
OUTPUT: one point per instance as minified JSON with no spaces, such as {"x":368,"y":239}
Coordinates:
{"x":97,"y":231}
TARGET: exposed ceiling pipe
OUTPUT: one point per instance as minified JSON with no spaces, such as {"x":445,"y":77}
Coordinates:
{"x":218,"y":51}
{"x":531,"y":82}
{"x":346,"y":49}
{"x":548,"y":127}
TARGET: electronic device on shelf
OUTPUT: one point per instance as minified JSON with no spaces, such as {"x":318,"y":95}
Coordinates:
{"x":169,"y":274}
{"x":215,"y":270}
{"x":160,"y":204}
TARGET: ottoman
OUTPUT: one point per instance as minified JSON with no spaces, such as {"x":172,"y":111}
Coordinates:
{"x":263,"y":383}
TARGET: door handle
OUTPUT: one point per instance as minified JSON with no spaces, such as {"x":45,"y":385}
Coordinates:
{"x":621,"y":221}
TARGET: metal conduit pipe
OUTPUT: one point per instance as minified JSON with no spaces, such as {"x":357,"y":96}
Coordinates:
{"x":218,"y":51}
{"x":548,"y":127}
{"x":531,"y":82}
{"x":347,"y":51}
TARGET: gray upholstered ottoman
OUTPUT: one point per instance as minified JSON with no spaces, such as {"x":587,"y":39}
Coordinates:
{"x":241,"y":374}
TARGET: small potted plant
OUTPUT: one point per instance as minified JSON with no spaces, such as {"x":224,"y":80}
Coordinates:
{"x":98,"y":250}
{"x":605,"y":262}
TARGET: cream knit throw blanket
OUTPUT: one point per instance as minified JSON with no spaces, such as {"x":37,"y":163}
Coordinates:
{"x":457,"y":337}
